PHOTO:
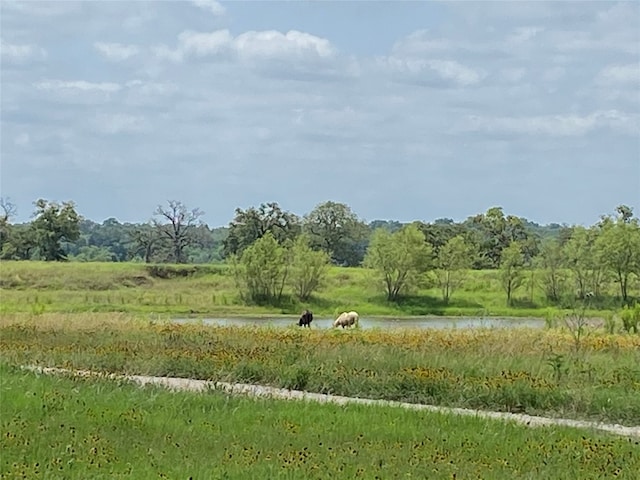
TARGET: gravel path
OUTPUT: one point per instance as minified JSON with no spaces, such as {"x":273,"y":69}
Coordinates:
{"x":282,"y":393}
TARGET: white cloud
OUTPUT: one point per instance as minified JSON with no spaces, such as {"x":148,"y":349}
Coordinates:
{"x":587,"y":40}
{"x":271,"y":43}
{"x":524,"y":34}
{"x":197,"y":44}
{"x":53,"y":85}
{"x":42,"y":8}
{"x":420,"y":42}
{"x":436,"y":72}
{"x":150,"y":88}
{"x":458,"y":73}
{"x":210,"y":5}
{"x":116,"y":51}
{"x":20,"y":52}
{"x":556,"y":125}
{"x":201,"y":44}
{"x":252,"y":45}
{"x":163,"y":52}
{"x":506,"y":101}
{"x":620,"y":74}
{"x":119,"y":123}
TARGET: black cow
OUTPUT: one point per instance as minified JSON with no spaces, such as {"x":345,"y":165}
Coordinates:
{"x":306,"y":319}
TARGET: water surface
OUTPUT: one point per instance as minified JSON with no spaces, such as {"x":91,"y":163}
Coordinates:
{"x":384,"y":323}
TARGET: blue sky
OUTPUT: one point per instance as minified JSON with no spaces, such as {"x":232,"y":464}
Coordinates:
{"x":403,"y":110}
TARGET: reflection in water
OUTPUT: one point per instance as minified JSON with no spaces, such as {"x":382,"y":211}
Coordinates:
{"x":378,"y":322}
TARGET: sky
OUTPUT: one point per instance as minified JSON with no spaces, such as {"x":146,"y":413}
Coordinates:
{"x":402,"y":110}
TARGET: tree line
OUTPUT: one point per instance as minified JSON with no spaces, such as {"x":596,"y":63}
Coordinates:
{"x":271,"y":250}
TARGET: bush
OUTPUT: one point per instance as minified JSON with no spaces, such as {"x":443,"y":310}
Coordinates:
{"x":630,"y":318}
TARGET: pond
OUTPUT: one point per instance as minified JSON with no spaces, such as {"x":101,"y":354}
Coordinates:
{"x":384,"y":323}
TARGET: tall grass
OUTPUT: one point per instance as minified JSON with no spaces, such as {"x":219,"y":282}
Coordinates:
{"x":37,"y":287}
{"x":92,"y":428}
{"x":535,"y":371}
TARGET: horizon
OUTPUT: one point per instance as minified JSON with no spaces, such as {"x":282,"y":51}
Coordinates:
{"x":367,"y":221}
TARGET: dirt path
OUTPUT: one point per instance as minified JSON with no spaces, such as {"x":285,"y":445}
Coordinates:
{"x":282,"y":393}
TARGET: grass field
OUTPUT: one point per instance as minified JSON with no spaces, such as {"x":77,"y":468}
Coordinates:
{"x":36,"y":287}
{"x":543,"y":372}
{"x":71,"y":428}
{"x":117,"y":318}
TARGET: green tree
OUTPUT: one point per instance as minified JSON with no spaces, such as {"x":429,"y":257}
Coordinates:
{"x":20,"y":244}
{"x":207,"y":246}
{"x":111,"y":235}
{"x":177,"y":224}
{"x":619,"y":244}
{"x":252,"y":224}
{"x":16,"y":241}
{"x":7,"y":211}
{"x":512,"y":270}
{"x":493,"y":232}
{"x":440,"y":232}
{"x":335,"y":229}
{"x":398,"y":258}
{"x":308,"y":268}
{"x":583,"y":258}
{"x":54,"y":224}
{"x":391,"y":225}
{"x":144,"y":241}
{"x":551,"y":262}
{"x":261,"y":271}
{"x":452,"y":263}
{"x":93,"y":253}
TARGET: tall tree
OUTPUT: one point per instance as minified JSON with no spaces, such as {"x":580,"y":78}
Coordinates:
{"x":391,"y":225}
{"x":177,"y":223}
{"x":335,"y":229}
{"x":440,"y":232}
{"x":398,"y":258}
{"x":111,"y":234}
{"x":619,"y":244}
{"x":584,"y":259}
{"x":551,"y":262}
{"x":20,"y":245}
{"x":494,"y":231}
{"x":453,"y":261}
{"x":308,"y":268}
{"x":54,"y":224}
{"x":261,"y":272}
{"x":252,"y":224}
{"x":145,"y":240}
{"x":7,"y":212}
{"x":512,"y":270}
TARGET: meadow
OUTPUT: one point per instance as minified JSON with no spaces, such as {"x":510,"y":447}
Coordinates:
{"x":37,"y":287}
{"x":117,"y":318}
{"x":537,"y":371}
{"x":77,"y":428}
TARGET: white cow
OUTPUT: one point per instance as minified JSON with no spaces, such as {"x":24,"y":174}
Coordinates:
{"x":346,"y":319}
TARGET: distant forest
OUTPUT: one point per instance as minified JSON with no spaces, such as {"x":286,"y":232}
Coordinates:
{"x":176,"y":234}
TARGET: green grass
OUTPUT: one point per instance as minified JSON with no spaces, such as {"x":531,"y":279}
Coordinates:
{"x":536,"y":371}
{"x":37,"y":287}
{"x":65,"y":428}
